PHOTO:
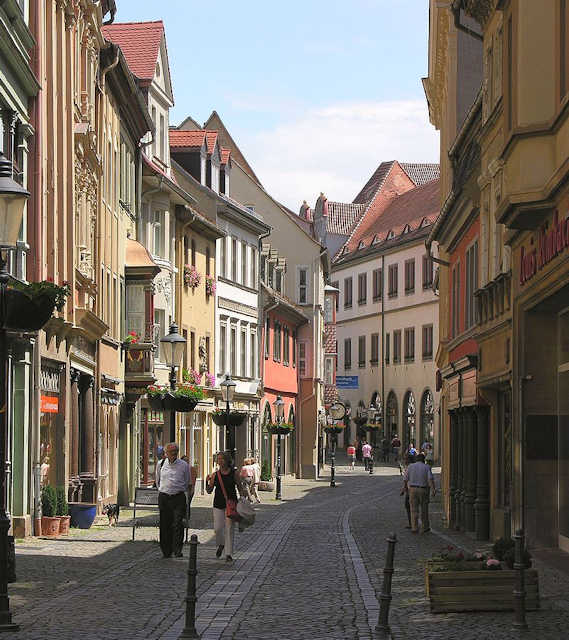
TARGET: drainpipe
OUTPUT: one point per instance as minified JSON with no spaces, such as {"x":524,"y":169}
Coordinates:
{"x":383,"y":410}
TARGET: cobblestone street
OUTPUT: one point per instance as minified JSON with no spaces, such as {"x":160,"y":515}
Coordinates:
{"x":307,"y":569}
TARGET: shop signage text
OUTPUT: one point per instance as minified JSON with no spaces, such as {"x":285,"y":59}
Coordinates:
{"x":347,"y":382}
{"x":550,"y":243}
{"x":49,"y":404}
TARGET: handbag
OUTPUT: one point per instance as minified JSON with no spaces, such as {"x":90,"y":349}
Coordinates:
{"x":230,"y":505}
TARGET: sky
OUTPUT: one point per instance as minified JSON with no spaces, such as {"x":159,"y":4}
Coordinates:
{"x":316,"y":93}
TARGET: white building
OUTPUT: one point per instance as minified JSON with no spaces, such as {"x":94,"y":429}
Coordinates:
{"x":387,"y":311}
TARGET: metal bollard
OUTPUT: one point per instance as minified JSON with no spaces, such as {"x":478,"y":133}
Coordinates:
{"x":385,"y":595}
{"x":520,"y":588}
{"x":189,"y":630}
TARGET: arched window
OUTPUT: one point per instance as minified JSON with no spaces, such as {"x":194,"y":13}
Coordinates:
{"x":409,"y":411}
{"x":427,"y":418}
{"x":193,"y":253}
{"x":186,"y":250}
{"x":391,"y":415}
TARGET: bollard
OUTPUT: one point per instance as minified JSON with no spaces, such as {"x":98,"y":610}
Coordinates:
{"x":520,"y":588}
{"x":191,"y":598}
{"x":385,"y":595}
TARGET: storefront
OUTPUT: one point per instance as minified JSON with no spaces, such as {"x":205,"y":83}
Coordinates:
{"x":52,"y":426}
{"x":541,"y":380}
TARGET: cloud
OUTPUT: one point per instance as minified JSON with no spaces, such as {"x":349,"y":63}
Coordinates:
{"x":335,"y":149}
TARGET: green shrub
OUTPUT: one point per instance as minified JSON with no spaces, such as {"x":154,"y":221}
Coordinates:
{"x":62,"y":506}
{"x":48,"y":501}
{"x":266,"y":474}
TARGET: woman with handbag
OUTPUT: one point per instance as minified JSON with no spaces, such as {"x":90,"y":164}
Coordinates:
{"x":225,"y":481}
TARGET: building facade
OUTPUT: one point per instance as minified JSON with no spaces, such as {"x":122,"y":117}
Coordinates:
{"x":387,"y":313}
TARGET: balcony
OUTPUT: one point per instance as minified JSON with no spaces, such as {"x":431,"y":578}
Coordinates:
{"x":493,"y":300}
{"x":139,"y":367}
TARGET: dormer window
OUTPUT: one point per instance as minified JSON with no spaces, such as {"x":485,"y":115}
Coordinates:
{"x":361,"y":245}
{"x":406,"y":229}
{"x":214,"y":176}
{"x":203,"y":161}
{"x":390,"y":235}
{"x":375,"y":239}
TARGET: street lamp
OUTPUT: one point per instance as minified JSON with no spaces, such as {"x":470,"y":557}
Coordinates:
{"x":337,"y":411}
{"x":278,"y":404}
{"x":227,"y":393}
{"x":172,"y":347}
{"x":13,"y":199}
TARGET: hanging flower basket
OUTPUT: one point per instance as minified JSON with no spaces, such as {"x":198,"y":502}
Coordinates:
{"x":235,"y":418}
{"x":178,"y":403}
{"x":334,"y":428}
{"x":192,"y":277}
{"x":156,"y":403}
{"x":372,"y":426}
{"x":280,"y":429}
{"x":359,"y":420}
{"x":28,"y":306}
{"x":209,"y":285}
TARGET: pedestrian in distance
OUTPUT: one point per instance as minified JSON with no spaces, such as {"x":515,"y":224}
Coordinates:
{"x":405,"y":492}
{"x":256,"y":478}
{"x":225,"y":480}
{"x":366,"y":454}
{"x":246,"y":474}
{"x":411,"y":451}
{"x":428,"y":451}
{"x":172,"y":481}
{"x":418,"y":478}
{"x":351,"y":451}
{"x":395,"y":446}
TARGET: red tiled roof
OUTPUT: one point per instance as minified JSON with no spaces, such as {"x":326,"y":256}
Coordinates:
{"x":225,"y":153}
{"x":342,"y":216}
{"x":421,"y":173}
{"x":418,"y":207}
{"x":186,"y":139}
{"x":372,"y":186}
{"x":211,"y":137}
{"x":140,"y":43}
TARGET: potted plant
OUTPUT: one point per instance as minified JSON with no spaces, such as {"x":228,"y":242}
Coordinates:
{"x":183,"y":398}
{"x":209,"y":285}
{"x":460,"y":581}
{"x":155,"y":395}
{"x":219,"y":416}
{"x":265,"y":483}
{"x":192,"y":277}
{"x":82,"y":514}
{"x":131,"y":338}
{"x":49,"y":519}
{"x":63,"y":511}
{"x":193,"y":376}
{"x":283,"y":428}
{"x":29,"y":305}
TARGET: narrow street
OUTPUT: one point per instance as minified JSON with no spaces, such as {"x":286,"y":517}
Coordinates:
{"x":309,"y":568}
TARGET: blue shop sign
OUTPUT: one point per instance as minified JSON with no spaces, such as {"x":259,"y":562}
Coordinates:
{"x":347,"y":382}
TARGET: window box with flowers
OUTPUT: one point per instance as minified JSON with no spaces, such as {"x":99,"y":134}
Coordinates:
{"x":209,"y":286}
{"x":192,"y":277}
{"x":459,"y":581}
{"x":29,"y":305}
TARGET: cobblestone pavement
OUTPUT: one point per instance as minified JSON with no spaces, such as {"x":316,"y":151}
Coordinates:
{"x":307,"y":569}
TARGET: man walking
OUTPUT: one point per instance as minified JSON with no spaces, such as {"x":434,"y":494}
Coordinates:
{"x":418,"y":478}
{"x":172,"y":480}
{"x":366,"y":453}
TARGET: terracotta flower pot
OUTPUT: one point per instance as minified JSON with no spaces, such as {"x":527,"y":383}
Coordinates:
{"x":64,"y":524}
{"x":49,"y":527}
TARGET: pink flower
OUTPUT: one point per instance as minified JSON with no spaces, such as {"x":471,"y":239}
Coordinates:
{"x":492,"y":562}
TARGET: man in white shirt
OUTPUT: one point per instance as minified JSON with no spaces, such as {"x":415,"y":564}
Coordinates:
{"x":172,"y":480}
{"x":418,"y":478}
{"x":366,"y":453}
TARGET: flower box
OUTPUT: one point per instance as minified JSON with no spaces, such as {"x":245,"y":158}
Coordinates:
{"x":477,"y":590}
{"x":235,"y":418}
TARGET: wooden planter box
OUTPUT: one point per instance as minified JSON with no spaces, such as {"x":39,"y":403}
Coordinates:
{"x":456,"y":591}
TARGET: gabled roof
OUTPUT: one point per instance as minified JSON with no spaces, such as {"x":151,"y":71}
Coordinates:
{"x":342,"y":216}
{"x":421,"y":173}
{"x":406,"y":213}
{"x":225,"y":153}
{"x":211,"y":139}
{"x":186,"y":139}
{"x":140,"y":43}
{"x":376,"y":181}
{"x":214,"y":122}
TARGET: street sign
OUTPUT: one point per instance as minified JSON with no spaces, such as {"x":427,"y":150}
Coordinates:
{"x":347,"y":382}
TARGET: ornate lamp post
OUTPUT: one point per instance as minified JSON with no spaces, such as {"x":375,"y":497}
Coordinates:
{"x":337,"y":411}
{"x":278,"y":404}
{"x":13,"y":199}
{"x":227,"y":393}
{"x":172,"y":346}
